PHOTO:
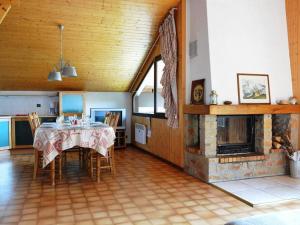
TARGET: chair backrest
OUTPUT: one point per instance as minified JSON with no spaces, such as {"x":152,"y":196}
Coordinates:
{"x":34,"y":121}
{"x":108,"y":117}
{"x":112,"y":119}
{"x":115,"y":120}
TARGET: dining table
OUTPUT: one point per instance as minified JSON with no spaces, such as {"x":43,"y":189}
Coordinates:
{"x":54,"y":138}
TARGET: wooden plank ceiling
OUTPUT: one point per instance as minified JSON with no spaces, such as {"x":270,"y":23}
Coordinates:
{"x":5,"y":6}
{"x":106,"y":40}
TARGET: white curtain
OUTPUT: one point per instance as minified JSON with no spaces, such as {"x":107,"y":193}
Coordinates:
{"x":168,"y":45}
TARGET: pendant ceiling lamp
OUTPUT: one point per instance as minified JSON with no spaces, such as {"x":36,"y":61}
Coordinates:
{"x":65,"y":69}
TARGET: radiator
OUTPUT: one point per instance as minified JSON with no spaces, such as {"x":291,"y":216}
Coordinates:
{"x":140,"y":133}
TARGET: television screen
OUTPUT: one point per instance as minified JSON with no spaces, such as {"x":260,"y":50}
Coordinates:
{"x":100,"y":116}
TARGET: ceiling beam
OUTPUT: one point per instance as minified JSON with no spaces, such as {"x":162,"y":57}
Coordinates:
{"x":5,"y":6}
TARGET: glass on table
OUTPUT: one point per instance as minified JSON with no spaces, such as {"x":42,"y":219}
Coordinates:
{"x":60,"y":120}
{"x":86,"y":121}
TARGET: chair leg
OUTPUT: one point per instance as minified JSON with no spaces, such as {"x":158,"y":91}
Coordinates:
{"x":52,"y":168}
{"x":60,"y":166}
{"x":36,"y":163}
{"x":65,"y":158}
{"x":98,"y":167}
{"x":81,"y":157}
{"x":85,"y":157}
{"x":91,"y":164}
{"x":88,"y":163}
{"x":113,"y":169}
{"x":63,"y":154}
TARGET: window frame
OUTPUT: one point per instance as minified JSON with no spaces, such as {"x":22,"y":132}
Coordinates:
{"x":155,"y":114}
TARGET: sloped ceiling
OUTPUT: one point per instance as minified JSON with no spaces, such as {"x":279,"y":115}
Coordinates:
{"x":106,"y":40}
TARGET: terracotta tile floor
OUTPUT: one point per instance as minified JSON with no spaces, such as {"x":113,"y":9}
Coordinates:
{"x":144,"y":191}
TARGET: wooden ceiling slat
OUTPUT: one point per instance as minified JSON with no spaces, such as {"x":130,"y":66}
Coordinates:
{"x":5,"y":6}
{"x":106,"y":41}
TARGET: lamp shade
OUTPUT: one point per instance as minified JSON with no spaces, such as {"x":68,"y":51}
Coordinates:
{"x":69,"y":71}
{"x":54,"y":76}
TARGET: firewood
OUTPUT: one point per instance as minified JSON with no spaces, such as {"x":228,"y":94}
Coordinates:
{"x":277,"y":139}
{"x":276,"y":145}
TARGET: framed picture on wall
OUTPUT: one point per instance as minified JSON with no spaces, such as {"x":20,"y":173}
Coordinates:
{"x":253,"y":88}
{"x":197,"y":92}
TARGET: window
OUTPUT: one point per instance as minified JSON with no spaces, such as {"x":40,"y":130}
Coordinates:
{"x":159,"y":99}
{"x":147,"y":98}
{"x":144,"y":97}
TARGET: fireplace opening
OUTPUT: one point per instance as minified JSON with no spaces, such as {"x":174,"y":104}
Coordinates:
{"x":235,"y":134}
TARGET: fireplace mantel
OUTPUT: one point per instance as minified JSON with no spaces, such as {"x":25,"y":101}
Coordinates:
{"x":241,"y":109}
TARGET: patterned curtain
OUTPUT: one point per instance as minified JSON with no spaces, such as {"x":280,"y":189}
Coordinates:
{"x":168,"y":45}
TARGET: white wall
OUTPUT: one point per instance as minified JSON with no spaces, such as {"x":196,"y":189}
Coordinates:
{"x":16,"y":102}
{"x":248,"y":36}
{"x":111,"y":100}
{"x":197,"y":30}
{"x":244,"y":36}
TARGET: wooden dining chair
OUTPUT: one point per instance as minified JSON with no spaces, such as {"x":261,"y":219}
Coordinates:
{"x":76,"y":149}
{"x":108,"y":118}
{"x":34,"y":122}
{"x":99,"y":162}
{"x":109,"y":162}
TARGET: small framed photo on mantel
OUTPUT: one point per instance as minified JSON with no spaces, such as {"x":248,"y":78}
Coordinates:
{"x":197,"y":92}
{"x":253,"y":88}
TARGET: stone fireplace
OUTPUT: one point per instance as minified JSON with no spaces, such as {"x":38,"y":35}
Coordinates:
{"x":231,"y":147}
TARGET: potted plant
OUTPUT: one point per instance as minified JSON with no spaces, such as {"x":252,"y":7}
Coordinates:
{"x":293,"y":155}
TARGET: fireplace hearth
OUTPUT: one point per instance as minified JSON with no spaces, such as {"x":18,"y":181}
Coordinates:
{"x":231,"y":147}
{"x":235,"y":134}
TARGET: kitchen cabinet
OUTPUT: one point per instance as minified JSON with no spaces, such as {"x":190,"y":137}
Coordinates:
{"x":21,"y":131}
{"x":5,"y":137}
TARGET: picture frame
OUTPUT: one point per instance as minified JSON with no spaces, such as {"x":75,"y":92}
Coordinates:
{"x":198,"y":92}
{"x":253,"y":88}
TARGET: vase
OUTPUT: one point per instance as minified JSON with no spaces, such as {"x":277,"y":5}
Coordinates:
{"x":295,"y":165}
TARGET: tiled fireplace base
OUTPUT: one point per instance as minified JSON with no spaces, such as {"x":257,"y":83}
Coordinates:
{"x":211,"y":170}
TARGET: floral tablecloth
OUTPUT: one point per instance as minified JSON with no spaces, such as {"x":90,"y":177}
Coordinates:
{"x":53,"y":139}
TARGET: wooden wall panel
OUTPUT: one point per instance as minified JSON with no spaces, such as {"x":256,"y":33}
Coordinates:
{"x":161,"y":138}
{"x":177,"y":135}
{"x":166,"y":142}
{"x":292,"y":10}
{"x":293,"y":21}
{"x":160,"y":141}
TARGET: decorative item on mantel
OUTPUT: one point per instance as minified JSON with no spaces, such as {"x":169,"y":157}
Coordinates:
{"x":253,"y":88}
{"x":283,"y":102}
{"x":293,"y":100}
{"x":213,"y":97}
{"x":227,"y":102}
{"x":197,"y":92}
{"x":290,"y":101}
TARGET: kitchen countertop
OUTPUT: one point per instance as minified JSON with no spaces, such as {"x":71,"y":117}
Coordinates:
{"x":22,"y":116}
